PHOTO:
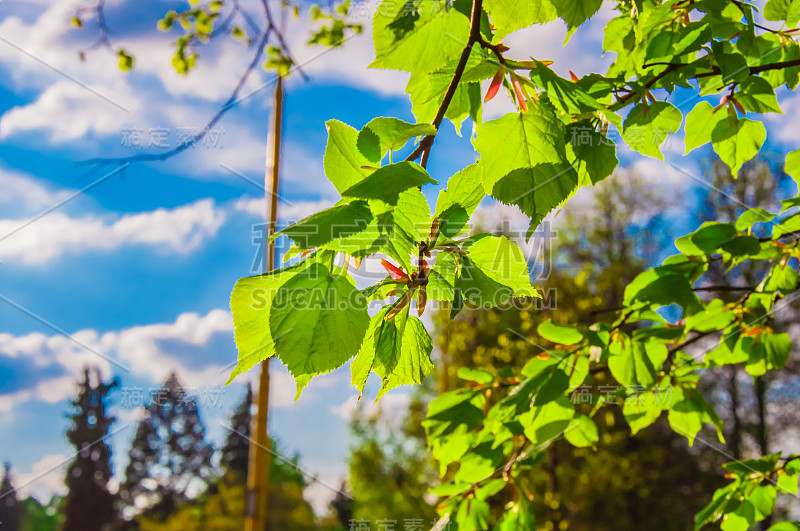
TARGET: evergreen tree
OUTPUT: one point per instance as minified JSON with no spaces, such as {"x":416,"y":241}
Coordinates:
{"x":235,"y":453}
{"x":169,"y":459}
{"x":89,"y":506}
{"x":221,"y":507}
{"x":9,"y":504}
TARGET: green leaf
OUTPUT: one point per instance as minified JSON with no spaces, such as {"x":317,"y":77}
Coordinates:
{"x":792,"y":165}
{"x":763,"y":500}
{"x":707,"y":239}
{"x":518,"y":516}
{"x":763,"y":465}
{"x":511,"y":15}
{"x":330,"y":224}
{"x":458,"y":202}
{"x":717,"y":507}
{"x":682,"y":40}
{"x":381,"y":135}
{"x":397,"y":350}
{"x":417,"y":36}
{"x":700,"y":123}
{"x":647,"y":126}
{"x":713,"y":317}
{"x":576,"y":12}
{"x":643,"y":409}
{"x":781,"y":278}
{"x":481,"y":376}
{"x":783,"y":11}
{"x":442,"y":279}
{"x":634,"y":363}
{"x":737,"y":140}
{"x":251,"y":302}
{"x":757,"y":95}
{"x":478,"y":463}
{"x":581,"y":432}
{"x":785,"y":526}
{"x":770,"y":352}
{"x":750,"y":217}
{"x":388,"y":182}
{"x":542,"y":424}
{"x":567,"y":95}
{"x":787,"y":483}
{"x":786,"y":225}
{"x":125,"y":61}
{"x":317,"y":321}
{"x":662,"y":286}
{"x":493,"y":271}
{"x":595,"y":155}
{"x":408,"y":224}
{"x":490,"y":488}
{"x":563,"y":335}
{"x":733,"y":66}
{"x":548,"y":384}
{"x":455,"y":411}
{"x":427,"y":90}
{"x":344,"y":164}
{"x":269,"y":309}
{"x":690,"y":411}
{"x":473,"y":515}
{"x":525,"y":161}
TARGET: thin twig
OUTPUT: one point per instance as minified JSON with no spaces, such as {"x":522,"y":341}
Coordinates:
{"x":424,"y":147}
{"x":231,"y":102}
{"x":724,"y":288}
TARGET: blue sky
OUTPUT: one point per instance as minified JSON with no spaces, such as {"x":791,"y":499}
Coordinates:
{"x":133,"y":275}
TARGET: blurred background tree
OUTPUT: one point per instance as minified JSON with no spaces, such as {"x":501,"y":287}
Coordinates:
{"x":221,"y":506}
{"x":10,"y":509}
{"x":89,"y":506}
{"x":169,"y":459}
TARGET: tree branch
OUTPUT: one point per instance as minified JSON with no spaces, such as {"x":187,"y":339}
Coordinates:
{"x":424,"y":147}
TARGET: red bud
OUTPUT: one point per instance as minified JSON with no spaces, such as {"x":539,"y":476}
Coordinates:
{"x":520,"y":93}
{"x":497,"y":82}
{"x":394,"y":271}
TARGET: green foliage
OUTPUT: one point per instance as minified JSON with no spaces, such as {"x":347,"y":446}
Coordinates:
{"x":314,"y":318}
{"x":333,"y":31}
{"x":398,"y":350}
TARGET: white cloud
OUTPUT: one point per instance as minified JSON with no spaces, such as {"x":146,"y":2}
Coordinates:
{"x":783,"y":127}
{"x":329,"y":477}
{"x":390,"y":409}
{"x":150,"y":352}
{"x":19,"y":191}
{"x":49,"y":391}
{"x":286,"y":210}
{"x":67,"y":111}
{"x":178,"y":230}
{"x":45,"y":478}
{"x":140,"y":348}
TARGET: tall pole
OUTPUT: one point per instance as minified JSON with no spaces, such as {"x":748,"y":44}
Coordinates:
{"x":260,"y":446}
